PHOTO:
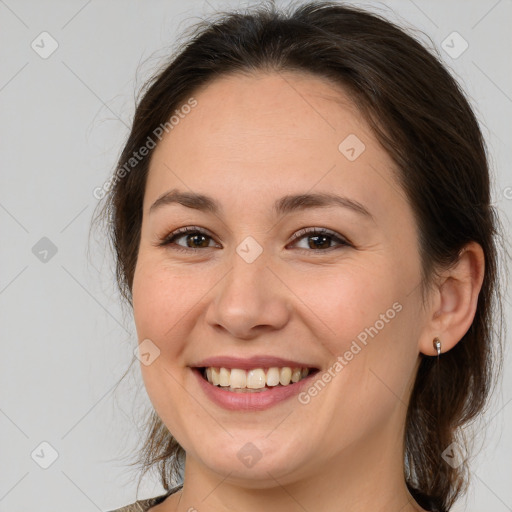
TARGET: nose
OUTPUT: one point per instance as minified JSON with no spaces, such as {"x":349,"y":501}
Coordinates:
{"x":250,"y":300}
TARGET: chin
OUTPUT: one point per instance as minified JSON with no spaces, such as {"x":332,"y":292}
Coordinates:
{"x":256,"y":464}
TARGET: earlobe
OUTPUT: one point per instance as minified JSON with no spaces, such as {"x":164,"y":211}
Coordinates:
{"x":454,"y":310}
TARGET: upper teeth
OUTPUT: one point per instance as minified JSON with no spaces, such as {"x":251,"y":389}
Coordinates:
{"x":256,"y":378}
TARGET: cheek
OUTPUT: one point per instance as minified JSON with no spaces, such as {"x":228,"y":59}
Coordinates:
{"x":344,"y":303}
{"x":160,"y":305}
{"x":366,"y":327}
{"x":168,"y":304}
{"x":363,"y":316}
{"x":161,"y":300}
{"x":147,"y":295}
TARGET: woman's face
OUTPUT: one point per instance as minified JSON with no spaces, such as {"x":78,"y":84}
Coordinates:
{"x":244,"y":292}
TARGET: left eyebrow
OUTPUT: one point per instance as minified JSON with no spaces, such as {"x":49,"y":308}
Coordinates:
{"x":283,"y":206}
{"x":292,"y":203}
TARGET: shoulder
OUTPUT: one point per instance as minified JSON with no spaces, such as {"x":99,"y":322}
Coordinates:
{"x":146,"y":504}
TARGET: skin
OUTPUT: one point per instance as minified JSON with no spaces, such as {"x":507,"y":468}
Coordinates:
{"x":250,"y":140}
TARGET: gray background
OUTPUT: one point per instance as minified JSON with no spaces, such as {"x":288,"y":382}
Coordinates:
{"x":66,"y":340}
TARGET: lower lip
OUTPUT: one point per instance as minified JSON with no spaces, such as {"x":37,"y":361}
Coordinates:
{"x":250,"y":401}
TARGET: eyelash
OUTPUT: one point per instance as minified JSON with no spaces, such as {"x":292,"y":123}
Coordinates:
{"x":169,"y":239}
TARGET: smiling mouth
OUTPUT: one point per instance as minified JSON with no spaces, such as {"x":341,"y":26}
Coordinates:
{"x":254,"y":380}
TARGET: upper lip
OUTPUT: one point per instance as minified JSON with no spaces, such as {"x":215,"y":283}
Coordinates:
{"x":263,"y":361}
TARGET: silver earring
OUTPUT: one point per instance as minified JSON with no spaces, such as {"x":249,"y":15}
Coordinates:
{"x":437,"y":345}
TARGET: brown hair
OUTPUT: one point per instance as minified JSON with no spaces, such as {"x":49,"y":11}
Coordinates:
{"x":423,"y":120}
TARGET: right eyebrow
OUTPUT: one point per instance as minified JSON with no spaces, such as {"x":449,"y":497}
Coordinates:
{"x":188,"y":199}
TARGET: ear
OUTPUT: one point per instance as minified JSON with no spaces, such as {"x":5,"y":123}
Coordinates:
{"x":454,"y":301}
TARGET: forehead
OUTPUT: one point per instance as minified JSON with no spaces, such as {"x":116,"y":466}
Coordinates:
{"x":268,"y":134}
{"x":258,"y":108}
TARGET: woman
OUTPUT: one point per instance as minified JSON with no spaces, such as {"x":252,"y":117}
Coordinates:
{"x":302,"y":222}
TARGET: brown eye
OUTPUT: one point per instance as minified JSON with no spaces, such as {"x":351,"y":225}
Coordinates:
{"x":319,"y":239}
{"x":195,"y":238}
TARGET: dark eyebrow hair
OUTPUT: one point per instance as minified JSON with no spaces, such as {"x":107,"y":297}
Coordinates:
{"x":282,"y":206}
